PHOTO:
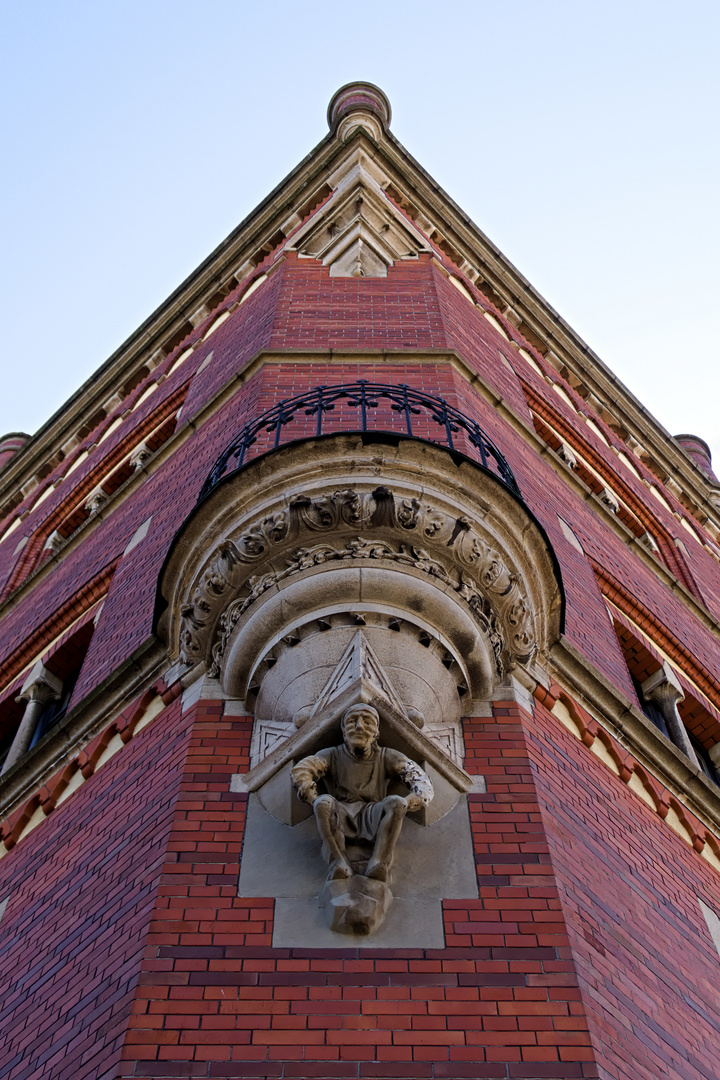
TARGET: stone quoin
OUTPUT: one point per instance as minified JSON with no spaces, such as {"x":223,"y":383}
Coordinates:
{"x":359,"y":674}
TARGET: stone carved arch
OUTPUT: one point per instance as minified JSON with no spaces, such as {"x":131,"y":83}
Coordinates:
{"x":357,"y":520}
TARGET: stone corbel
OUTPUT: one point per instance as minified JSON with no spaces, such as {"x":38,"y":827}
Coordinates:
{"x":568,"y":455}
{"x":39,"y":689}
{"x":112,"y":403}
{"x":96,"y":500}
{"x":200,"y":315}
{"x":608,"y":497}
{"x":665,"y":690}
{"x":54,"y":542}
{"x":139,"y":456}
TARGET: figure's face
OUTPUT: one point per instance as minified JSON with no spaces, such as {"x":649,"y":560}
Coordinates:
{"x":360,"y":728}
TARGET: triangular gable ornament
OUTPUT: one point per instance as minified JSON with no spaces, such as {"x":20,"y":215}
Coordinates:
{"x":359,"y":676}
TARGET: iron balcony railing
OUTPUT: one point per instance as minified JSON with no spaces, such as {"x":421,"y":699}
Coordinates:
{"x":366,"y":397}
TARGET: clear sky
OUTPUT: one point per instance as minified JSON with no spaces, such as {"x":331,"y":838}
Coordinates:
{"x":583,"y":138}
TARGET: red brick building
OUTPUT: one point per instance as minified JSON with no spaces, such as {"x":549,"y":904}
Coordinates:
{"x":356,"y":453}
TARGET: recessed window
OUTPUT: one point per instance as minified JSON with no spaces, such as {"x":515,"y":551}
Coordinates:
{"x":625,"y":460}
{"x":529,"y":359}
{"x":77,"y":462}
{"x":146,"y":394}
{"x":10,"y":529}
{"x":594,"y":428}
{"x":656,"y":494}
{"x":462,"y":290}
{"x":566,"y":397}
{"x":251,"y":288}
{"x":41,"y":498}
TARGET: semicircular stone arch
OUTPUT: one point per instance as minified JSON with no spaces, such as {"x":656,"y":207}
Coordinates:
{"x":402,"y":540}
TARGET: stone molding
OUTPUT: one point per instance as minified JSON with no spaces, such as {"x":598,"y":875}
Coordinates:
{"x":359,"y":232}
{"x":455,"y":526}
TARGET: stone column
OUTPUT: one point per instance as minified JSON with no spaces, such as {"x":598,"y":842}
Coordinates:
{"x":40,"y":688}
{"x":665,"y":690}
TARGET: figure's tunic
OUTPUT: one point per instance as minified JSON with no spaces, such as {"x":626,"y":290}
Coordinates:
{"x":359,"y":785}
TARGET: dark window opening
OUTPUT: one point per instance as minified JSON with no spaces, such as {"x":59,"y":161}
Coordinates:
{"x":701,"y":725}
{"x":651,"y":710}
{"x":65,"y":663}
{"x":54,"y":711}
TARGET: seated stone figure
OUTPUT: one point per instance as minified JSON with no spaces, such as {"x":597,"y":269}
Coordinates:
{"x":358,"y":808}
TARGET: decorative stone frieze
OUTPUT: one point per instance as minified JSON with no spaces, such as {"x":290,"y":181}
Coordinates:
{"x":312,"y":526}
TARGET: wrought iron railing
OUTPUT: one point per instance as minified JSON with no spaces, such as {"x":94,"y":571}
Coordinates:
{"x":364,"y":396}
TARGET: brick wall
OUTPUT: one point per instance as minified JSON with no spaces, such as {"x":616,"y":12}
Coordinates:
{"x":81,"y":889}
{"x":629,"y":886}
{"x":216,"y":1000}
{"x":585,"y":956}
{"x":300,"y":306}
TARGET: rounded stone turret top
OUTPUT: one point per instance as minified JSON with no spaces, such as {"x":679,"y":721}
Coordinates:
{"x":359,"y":104}
{"x":699,"y":452}
{"x":10,"y":444}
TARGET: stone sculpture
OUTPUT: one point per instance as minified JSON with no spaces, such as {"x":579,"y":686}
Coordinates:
{"x":358,"y":821}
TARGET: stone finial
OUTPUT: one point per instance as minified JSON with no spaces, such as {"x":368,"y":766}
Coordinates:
{"x":699,"y":453}
{"x":359,"y":104}
{"x":10,"y":445}
{"x":665,"y":690}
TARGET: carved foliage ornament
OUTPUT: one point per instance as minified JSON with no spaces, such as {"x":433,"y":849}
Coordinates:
{"x":474,"y":569}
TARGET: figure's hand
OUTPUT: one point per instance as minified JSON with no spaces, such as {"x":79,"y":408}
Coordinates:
{"x":307,"y":792}
{"x":413,"y":802}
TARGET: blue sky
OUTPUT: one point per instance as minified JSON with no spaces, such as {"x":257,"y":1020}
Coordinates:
{"x":582,"y":138}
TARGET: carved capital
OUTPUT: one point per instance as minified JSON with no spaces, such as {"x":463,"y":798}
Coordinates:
{"x":663,"y":688}
{"x":41,"y":686}
{"x":96,"y":500}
